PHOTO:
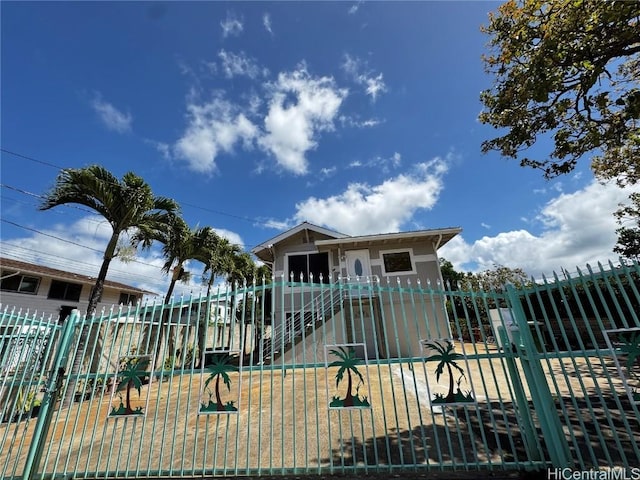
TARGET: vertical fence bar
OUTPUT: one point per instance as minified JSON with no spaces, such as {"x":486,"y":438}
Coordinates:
{"x":540,"y":394}
{"x":46,"y":408}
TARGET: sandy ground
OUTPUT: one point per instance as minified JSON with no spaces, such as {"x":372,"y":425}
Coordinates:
{"x":284,"y":425}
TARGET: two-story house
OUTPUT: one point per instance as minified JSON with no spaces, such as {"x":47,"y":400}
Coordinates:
{"x":355,"y":289}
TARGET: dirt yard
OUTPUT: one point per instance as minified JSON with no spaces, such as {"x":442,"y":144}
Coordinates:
{"x":284,"y":424}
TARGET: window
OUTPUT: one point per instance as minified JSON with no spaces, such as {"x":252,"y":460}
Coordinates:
{"x":316,"y":264}
{"x":128,"y":299}
{"x":65,"y":291}
{"x":19,"y":283}
{"x":397,"y":262}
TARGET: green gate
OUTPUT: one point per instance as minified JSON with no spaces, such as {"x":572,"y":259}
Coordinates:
{"x":355,"y":375}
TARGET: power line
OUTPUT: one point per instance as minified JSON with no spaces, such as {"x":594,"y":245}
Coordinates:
{"x":73,"y":243}
{"x":217,"y":212}
{"x":35,"y":195}
{"x":4,"y":150}
{"x":49,"y":235}
{"x":62,"y":262}
{"x":121,"y":276}
{"x":82,"y":209}
{"x":70,"y":241}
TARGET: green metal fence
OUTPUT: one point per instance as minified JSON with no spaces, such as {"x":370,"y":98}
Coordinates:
{"x":357,"y":375}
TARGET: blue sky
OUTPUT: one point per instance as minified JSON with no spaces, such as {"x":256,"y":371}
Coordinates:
{"x":255,"y":116}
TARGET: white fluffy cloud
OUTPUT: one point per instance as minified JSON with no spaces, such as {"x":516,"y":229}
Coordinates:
{"x":214,"y":127}
{"x":301,"y":107}
{"x":233,"y":237}
{"x":577,"y":228}
{"x":363,"y":209}
{"x":111,"y":117}
{"x":234,"y":64}
{"x":297,"y":108}
{"x":373,"y":84}
{"x":232,"y":25}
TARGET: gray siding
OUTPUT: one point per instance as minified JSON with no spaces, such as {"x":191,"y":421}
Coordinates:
{"x":400,"y":320}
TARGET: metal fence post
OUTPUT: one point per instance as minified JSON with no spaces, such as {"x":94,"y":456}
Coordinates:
{"x":529,"y":434}
{"x":54,"y":384}
{"x":543,"y":403}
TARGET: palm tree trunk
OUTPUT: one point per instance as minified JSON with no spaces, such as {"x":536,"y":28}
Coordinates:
{"x":164,"y":326}
{"x":348,"y":400}
{"x":95,"y":337}
{"x":245,"y":327}
{"x":220,"y":406}
{"x":232,"y":321}
{"x":202,"y":337}
{"x":128,"y":408}
{"x":168,"y":329}
{"x":204,"y":323}
{"x":450,"y":396}
{"x":89,"y":332}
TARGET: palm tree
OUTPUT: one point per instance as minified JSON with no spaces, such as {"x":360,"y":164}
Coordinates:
{"x":180,"y":244}
{"x":131,"y":377}
{"x":262,"y":278}
{"x":243,"y":271}
{"x":447,"y":358}
{"x":216,"y":254}
{"x":126,"y":204}
{"x":219,"y":369}
{"x":347,"y":363}
{"x":218,"y":261}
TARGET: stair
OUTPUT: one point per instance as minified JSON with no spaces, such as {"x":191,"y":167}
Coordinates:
{"x":310,"y":317}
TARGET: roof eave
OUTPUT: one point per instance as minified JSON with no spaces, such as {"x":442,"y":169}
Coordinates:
{"x":446,"y":234}
{"x":266,"y":246}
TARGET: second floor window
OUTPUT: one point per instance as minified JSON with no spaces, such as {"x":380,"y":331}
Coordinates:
{"x":308,"y":264}
{"x":60,"y":290}
{"x":397,"y":262}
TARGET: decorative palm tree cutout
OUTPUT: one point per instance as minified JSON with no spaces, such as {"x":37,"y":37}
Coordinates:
{"x":131,"y":374}
{"x":218,"y":364}
{"x":443,"y":352}
{"x":625,"y":343}
{"x":347,"y":360}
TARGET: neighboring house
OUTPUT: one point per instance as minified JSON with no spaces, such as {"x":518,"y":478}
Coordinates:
{"x":352,"y":310}
{"x":56,"y":292}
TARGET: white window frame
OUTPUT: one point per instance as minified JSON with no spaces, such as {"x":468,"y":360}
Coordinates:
{"x":409,"y":250}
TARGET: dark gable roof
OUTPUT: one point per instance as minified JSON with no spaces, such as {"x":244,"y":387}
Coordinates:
{"x":24,"y":267}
